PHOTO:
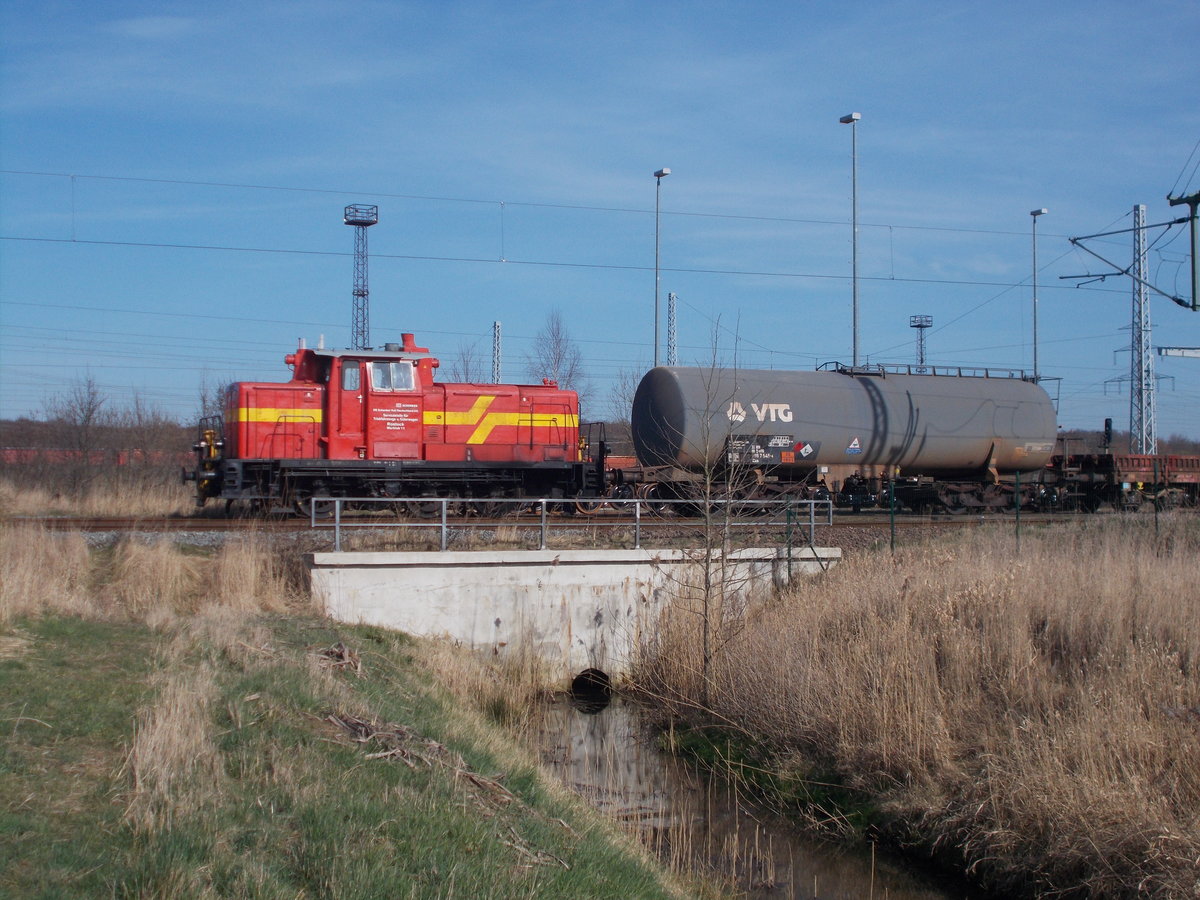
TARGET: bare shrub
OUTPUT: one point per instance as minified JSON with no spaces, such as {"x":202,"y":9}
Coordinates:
{"x":43,"y":571}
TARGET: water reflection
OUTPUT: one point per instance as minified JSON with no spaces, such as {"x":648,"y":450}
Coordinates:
{"x":701,"y":824}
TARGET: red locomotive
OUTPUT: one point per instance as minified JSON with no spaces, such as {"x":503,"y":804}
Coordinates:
{"x":375,"y":423}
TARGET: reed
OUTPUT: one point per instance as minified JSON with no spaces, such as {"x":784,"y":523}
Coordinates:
{"x":1034,"y":715}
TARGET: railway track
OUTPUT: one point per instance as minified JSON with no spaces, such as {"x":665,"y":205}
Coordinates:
{"x":220,"y":524}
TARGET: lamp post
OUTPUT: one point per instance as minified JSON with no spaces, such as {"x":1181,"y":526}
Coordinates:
{"x":851,"y":119}
{"x":1034,"y":213}
{"x":658,"y":177}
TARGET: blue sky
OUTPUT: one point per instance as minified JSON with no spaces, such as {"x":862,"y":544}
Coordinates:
{"x":174,"y":177}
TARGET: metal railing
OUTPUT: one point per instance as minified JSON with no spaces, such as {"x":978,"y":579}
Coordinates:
{"x":918,"y":369}
{"x":444,"y":515}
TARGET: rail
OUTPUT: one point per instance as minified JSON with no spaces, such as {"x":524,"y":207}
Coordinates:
{"x":790,"y":515}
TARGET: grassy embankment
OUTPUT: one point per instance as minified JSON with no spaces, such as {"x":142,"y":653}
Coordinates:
{"x":1032,"y":717}
{"x":181,"y":725}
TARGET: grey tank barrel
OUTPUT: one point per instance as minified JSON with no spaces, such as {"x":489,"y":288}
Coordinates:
{"x":923,"y":424}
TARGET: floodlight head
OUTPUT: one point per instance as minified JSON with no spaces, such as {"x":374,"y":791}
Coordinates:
{"x":850,"y":118}
{"x":662,"y":173}
{"x":1038,"y":212}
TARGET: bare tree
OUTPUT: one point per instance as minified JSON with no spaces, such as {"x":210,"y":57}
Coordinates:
{"x":79,"y":413}
{"x":556,"y":356}
{"x":78,"y":420}
{"x":621,"y":393}
{"x":145,"y":427}
{"x":210,"y":397}
{"x":468,"y":365}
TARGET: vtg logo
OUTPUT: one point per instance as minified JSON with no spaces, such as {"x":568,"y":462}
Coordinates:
{"x":765,"y":412}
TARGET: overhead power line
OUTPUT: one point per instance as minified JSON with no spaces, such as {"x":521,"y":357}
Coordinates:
{"x":484,"y":201}
{"x":752,"y":273}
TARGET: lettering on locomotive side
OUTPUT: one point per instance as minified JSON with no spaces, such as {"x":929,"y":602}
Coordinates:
{"x":764,"y":412}
{"x":398,"y":419}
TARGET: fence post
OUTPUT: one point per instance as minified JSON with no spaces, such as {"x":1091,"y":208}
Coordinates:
{"x":337,"y":523}
{"x":637,"y":524}
{"x":445,"y":536}
{"x":1017,"y":494}
{"x":787,"y":518}
{"x":892,"y":507}
{"x":542,"y":539}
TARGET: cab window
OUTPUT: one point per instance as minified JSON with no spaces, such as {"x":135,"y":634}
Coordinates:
{"x":350,"y":379}
{"x":392,"y":376}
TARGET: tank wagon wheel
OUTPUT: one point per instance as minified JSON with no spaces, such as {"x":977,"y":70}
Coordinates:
{"x":657,"y":499}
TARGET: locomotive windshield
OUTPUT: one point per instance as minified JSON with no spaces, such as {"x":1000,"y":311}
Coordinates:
{"x":392,"y":376}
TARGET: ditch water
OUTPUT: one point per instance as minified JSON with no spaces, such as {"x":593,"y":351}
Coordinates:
{"x":701,"y":824}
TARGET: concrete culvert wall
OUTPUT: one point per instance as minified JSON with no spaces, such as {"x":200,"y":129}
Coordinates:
{"x":577,"y":610}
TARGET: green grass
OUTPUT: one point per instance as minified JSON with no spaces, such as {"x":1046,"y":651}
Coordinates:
{"x":265,"y":796}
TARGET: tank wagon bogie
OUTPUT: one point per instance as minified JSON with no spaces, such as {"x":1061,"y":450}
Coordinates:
{"x":375,"y":423}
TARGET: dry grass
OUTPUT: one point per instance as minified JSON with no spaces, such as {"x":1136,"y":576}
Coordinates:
{"x":152,"y":577}
{"x":43,"y":572}
{"x":174,"y":766}
{"x":51,"y":572}
{"x":1038,"y":714}
{"x":144,"y":494}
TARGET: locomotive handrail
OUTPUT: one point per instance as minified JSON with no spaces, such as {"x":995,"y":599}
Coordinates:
{"x":327,"y":513}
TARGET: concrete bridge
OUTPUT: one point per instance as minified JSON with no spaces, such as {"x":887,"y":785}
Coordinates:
{"x":579,"y":610}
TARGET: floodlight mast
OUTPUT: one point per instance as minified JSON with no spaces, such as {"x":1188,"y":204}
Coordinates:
{"x":852,"y":120}
{"x":1034,"y":213}
{"x":361,"y":217}
{"x":659,"y":175}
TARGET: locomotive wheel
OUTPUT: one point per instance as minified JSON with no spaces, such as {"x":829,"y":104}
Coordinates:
{"x":590,"y":507}
{"x":491,"y":507}
{"x":424,"y":509}
{"x":315,"y":507}
{"x":432,"y":508}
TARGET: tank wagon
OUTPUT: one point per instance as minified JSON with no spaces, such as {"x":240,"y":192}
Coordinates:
{"x":375,"y":423}
{"x":953,"y":441}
